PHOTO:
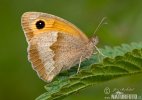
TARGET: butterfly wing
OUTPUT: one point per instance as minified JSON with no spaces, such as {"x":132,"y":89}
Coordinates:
{"x":69,"y":50}
{"x":52,"y":22}
{"x":41,"y":55}
{"x":55,"y":47}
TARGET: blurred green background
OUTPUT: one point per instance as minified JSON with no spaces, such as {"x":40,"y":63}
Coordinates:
{"x":18,"y":81}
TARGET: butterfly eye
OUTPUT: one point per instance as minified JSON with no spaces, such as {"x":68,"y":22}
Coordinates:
{"x":40,"y":24}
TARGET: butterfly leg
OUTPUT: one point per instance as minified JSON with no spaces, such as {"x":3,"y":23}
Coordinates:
{"x":79,"y":65}
{"x":100,"y":51}
{"x":95,"y":53}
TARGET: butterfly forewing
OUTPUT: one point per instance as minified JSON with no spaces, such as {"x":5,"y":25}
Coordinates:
{"x":54,"y":44}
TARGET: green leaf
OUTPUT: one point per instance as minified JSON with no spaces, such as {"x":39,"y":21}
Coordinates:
{"x":120,"y":61}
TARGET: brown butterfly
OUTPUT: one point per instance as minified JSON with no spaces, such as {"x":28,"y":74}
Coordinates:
{"x":54,"y":44}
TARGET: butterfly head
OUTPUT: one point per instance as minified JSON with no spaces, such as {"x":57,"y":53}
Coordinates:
{"x":94,"y":40}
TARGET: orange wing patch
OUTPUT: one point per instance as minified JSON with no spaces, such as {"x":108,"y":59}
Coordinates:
{"x":59,"y":26}
{"x":52,"y":23}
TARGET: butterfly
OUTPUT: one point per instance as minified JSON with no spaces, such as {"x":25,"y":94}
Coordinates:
{"x":54,"y":44}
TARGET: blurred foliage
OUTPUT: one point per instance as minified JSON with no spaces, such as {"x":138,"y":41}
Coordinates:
{"x":20,"y":82}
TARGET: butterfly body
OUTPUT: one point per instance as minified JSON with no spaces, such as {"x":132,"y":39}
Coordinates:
{"x":57,"y":46}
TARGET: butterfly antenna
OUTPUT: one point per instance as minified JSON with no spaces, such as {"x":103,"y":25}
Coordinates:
{"x":104,"y":18}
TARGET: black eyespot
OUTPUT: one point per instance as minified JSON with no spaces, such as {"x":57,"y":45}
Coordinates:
{"x":40,"y":24}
